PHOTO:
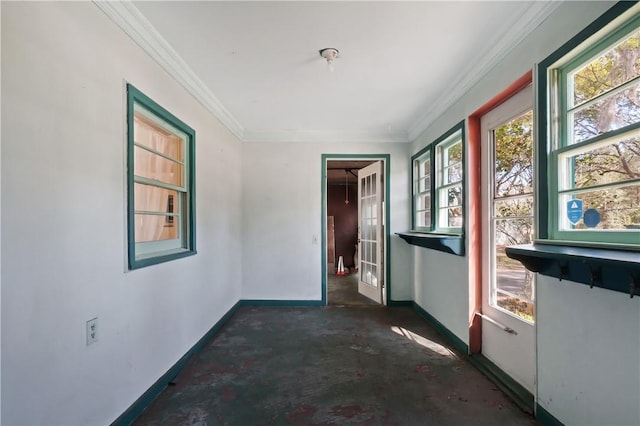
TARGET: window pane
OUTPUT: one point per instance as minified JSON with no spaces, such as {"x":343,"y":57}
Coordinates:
{"x":425,"y":184}
{"x":454,"y":174}
{"x":509,"y":232}
{"x":521,"y":206}
{"x":604,"y":163}
{"x":514,"y":156}
{"x":454,"y":196}
{"x":153,"y":166}
{"x":618,"y":208}
{"x":453,"y":154}
{"x":514,"y":284}
{"x":425,"y":167}
{"x":154,"y":199}
{"x":155,"y":228}
{"x":150,"y":134}
{"x":450,"y":217}
{"x":607,"y":71}
{"x":423,"y":202}
{"x":610,"y":113}
{"x":423,"y":218}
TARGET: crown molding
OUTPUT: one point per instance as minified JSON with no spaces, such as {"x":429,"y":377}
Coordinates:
{"x":498,"y":48}
{"x":124,"y":14}
{"x":324,"y":136}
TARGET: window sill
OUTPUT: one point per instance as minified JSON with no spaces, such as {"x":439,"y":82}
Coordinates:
{"x":616,"y":270}
{"x":448,"y":243}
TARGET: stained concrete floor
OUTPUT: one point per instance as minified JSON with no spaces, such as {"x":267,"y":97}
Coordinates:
{"x":330,"y":366}
{"x":343,"y":290}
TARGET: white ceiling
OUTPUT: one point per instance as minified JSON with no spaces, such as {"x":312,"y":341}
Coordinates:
{"x":401,"y":64}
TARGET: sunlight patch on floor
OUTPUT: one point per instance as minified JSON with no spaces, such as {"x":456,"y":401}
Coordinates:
{"x":423,"y":341}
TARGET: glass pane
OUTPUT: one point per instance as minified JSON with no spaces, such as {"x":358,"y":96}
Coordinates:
{"x":424,"y":168}
{"x":513,"y":164}
{"x":154,"y":199}
{"x":425,"y":184}
{"x":509,"y":232}
{"x":423,"y":218}
{"x":522,"y":206}
{"x":613,"y":209}
{"x":152,"y":166}
{"x":454,"y":173}
{"x":150,"y":134}
{"x":374,"y":253}
{"x":454,"y":196}
{"x":610,"y":113}
{"x":605,"y":163}
{"x":453,"y":217}
{"x":517,"y":306}
{"x":423,"y":202}
{"x":516,"y":284}
{"x":613,"y":68}
{"x":368,"y":185}
{"x":373,"y":184}
{"x":373,"y":276}
{"x":155,"y":227}
{"x":453,"y":154}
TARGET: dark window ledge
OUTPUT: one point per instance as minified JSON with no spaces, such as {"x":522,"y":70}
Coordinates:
{"x":617,"y":270}
{"x":448,"y":243}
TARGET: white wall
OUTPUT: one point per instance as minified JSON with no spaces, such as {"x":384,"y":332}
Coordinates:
{"x":588,"y":347}
{"x":282,"y":211}
{"x":64,"y":67}
{"x":589,"y":354}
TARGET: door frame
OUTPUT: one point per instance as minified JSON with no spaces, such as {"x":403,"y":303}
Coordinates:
{"x":386,"y":159}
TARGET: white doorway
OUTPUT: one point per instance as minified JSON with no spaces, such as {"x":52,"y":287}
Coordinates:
{"x":358,"y":184}
{"x":508,"y":289}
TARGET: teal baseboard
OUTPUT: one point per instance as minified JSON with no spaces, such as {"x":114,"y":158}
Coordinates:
{"x":455,"y":340}
{"x":544,"y":417}
{"x":400,"y":303}
{"x":281,"y":303}
{"x":518,"y":394}
{"x":134,"y":411}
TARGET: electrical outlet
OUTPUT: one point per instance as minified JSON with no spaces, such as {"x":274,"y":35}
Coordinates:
{"x":92,"y":331}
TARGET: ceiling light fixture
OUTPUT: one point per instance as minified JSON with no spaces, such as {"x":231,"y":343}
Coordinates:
{"x":330,"y":54}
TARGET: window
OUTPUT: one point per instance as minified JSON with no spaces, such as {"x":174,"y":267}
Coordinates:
{"x":591,"y":88}
{"x":449,"y":183}
{"x":422,"y":191}
{"x":443,"y":159}
{"x":160,"y":164}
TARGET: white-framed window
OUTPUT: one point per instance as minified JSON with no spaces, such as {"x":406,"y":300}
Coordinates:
{"x":422,"y":191}
{"x":160,"y":165}
{"x":449,"y":189}
{"x":438,"y":184}
{"x":593,"y":171}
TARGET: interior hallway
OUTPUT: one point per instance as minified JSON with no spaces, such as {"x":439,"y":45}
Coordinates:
{"x":330,"y":366}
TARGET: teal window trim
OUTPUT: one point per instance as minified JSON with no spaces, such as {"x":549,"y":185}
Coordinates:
{"x":185,"y":218}
{"x":614,"y":267}
{"x":448,"y":240}
{"x":555,"y":143}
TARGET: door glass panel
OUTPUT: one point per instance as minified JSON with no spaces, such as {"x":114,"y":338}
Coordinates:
{"x":373,"y":276}
{"x":512,"y":286}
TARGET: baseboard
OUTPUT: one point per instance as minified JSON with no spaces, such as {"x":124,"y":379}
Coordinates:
{"x":518,"y":394}
{"x":281,"y":303}
{"x":455,"y":340}
{"x":544,"y":417}
{"x":134,"y":411}
{"x":400,"y":303}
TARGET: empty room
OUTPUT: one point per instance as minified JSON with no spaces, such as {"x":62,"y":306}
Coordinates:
{"x":316,"y":212}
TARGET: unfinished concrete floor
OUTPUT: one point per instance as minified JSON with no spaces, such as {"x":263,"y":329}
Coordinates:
{"x":330,"y":366}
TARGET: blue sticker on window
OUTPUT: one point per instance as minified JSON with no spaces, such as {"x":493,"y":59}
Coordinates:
{"x":591,"y":218}
{"x":574,"y":211}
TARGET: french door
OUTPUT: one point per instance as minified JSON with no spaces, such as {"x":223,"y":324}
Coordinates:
{"x":371,"y":232}
{"x":508,"y":293}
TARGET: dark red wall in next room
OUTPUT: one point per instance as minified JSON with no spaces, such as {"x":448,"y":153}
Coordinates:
{"x":346,"y":220}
